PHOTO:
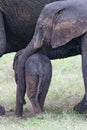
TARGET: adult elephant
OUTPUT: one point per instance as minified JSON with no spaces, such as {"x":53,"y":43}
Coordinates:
{"x":62,"y":28}
{"x":17,"y":23}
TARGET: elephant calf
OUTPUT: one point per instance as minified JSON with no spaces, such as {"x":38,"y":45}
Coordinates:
{"x":38,"y":72}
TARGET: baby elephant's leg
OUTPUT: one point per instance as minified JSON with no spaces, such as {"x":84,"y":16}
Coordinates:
{"x":44,"y":90}
{"x":31,"y":84}
{"x":36,"y":106}
{"x":19,"y":106}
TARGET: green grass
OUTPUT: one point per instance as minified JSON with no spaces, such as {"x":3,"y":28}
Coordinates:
{"x":65,"y":91}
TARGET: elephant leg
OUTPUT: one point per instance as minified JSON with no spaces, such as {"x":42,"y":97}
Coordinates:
{"x":31,"y":85}
{"x":19,"y":106}
{"x":2,"y":36}
{"x":43,"y":93}
{"x":36,"y":106}
{"x":2,"y":110}
{"x":2,"y":48}
{"x":82,"y":106}
{"x":41,"y":99}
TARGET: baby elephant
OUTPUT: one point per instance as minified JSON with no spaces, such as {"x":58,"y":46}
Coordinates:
{"x":38,"y":72}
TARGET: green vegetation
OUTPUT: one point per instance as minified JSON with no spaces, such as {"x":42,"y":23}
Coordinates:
{"x":65,"y":91}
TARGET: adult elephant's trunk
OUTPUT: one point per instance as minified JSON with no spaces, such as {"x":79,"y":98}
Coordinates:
{"x":29,"y":50}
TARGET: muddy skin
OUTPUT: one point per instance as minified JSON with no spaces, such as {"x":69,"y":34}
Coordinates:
{"x":38,"y":72}
{"x":60,"y":25}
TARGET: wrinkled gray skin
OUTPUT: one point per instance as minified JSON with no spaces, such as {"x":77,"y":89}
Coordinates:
{"x":60,"y":24}
{"x":38,"y":72}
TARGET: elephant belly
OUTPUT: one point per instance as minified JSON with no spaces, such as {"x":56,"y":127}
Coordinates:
{"x":20,"y":29}
{"x":20,"y":17}
{"x":20,"y":25}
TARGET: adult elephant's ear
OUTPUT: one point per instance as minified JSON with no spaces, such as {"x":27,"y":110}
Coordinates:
{"x":62,"y":34}
{"x":66,"y":26}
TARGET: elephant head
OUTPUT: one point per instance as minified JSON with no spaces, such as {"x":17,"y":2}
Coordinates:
{"x":59,"y":23}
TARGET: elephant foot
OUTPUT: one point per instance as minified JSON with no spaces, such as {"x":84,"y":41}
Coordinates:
{"x":19,"y":110}
{"x":2,"y":110}
{"x":82,"y":106}
{"x":36,"y":107}
{"x":18,"y":113}
{"x":37,"y":111}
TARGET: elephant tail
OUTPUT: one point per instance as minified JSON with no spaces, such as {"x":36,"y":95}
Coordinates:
{"x":38,"y":87}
